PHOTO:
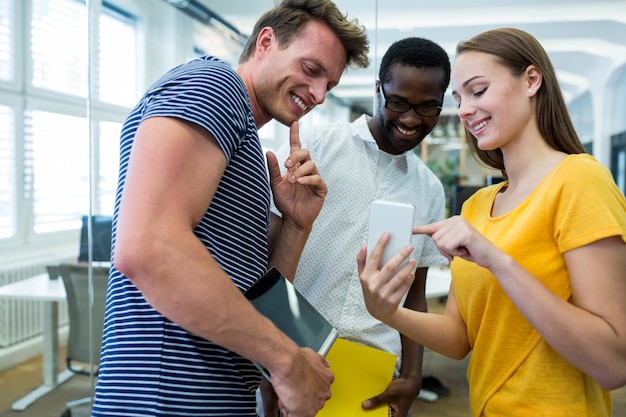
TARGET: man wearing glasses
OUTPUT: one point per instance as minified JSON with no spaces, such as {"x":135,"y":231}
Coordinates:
{"x":368,"y":159}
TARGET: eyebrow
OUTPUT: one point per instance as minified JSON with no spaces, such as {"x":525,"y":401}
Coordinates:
{"x":468,"y":81}
{"x":471,"y":79}
{"x":396,"y":97}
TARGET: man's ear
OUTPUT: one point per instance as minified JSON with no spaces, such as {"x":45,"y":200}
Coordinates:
{"x":265,"y":40}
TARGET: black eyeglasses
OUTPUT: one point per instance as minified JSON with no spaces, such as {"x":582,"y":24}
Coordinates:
{"x":426,"y":110}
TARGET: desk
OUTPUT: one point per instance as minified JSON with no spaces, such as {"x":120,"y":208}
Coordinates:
{"x":50,"y":292}
{"x":438,"y":281}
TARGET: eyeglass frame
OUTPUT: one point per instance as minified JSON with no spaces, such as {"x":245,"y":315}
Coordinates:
{"x":409,"y":106}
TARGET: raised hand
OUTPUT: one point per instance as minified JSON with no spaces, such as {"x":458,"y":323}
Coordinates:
{"x":382,"y":289}
{"x":300,"y":193}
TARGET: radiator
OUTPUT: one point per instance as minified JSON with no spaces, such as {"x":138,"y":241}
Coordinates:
{"x":21,"y":320}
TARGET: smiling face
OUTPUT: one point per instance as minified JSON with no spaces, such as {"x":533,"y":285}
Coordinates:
{"x":396,"y":132}
{"x":289,"y":81}
{"x":493,"y":104}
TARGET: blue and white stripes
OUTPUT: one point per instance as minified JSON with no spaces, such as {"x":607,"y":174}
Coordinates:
{"x":149,"y":365}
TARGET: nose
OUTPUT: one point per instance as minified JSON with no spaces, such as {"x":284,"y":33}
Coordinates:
{"x":465,"y":110}
{"x":318,"y":91}
{"x":411,"y":117}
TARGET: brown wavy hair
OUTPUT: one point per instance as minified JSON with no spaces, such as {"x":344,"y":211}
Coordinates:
{"x":290,"y":16}
{"x":516,"y":50}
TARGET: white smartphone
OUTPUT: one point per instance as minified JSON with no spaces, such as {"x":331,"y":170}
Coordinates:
{"x":395,"y":218}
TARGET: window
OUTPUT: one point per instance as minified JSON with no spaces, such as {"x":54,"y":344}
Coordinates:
{"x":109,"y":163}
{"x":60,"y":169}
{"x":59,"y":174}
{"x":6,"y":40}
{"x":58,"y":30}
{"x":618,"y":160}
{"x":52,"y":159}
{"x":7,"y":169}
{"x":117,"y":58}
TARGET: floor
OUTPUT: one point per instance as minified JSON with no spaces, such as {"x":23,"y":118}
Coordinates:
{"x":19,"y":380}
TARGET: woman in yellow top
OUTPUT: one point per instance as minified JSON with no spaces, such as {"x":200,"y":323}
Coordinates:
{"x":538,"y":290}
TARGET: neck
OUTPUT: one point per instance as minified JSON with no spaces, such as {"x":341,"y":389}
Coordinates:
{"x":260,"y":118}
{"x":530,"y":163}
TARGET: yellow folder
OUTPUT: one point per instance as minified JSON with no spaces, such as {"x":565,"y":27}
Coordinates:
{"x":361,"y":372}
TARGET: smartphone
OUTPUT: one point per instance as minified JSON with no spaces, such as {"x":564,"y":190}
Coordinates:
{"x":395,"y":218}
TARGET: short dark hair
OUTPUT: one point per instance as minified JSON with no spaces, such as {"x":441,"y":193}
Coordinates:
{"x":416,"y":52}
{"x":290,"y":16}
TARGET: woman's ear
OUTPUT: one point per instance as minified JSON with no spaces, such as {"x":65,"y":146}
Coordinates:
{"x":534,"y":78}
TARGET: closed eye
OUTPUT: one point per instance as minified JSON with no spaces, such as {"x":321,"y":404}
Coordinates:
{"x":481,"y":92}
{"x":310,"y":70}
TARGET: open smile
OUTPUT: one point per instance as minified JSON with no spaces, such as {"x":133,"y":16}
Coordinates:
{"x":406,"y":132}
{"x":480,"y":125}
{"x":299,"y":102}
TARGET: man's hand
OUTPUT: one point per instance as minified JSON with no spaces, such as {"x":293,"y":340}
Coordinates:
{"x":300,"y":193}
{"x":304,"y":390}
{"x":399,"y":395}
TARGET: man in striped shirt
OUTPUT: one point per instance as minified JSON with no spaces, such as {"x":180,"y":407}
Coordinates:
{"x":191,"y":221}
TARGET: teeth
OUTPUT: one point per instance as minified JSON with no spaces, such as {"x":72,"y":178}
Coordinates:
{"x":406,"y":132}
{"x":480,"y":125}
{"x":298,"y":102}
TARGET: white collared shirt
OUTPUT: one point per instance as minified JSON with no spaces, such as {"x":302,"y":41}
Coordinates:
{"x":347,"y":158}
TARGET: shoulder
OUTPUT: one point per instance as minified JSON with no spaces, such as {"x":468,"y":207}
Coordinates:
{"x":582,"y":172}
{"x":204,"y":67}
{"x":321,"y":132}
{"x":582,"y":187}
{"x":325,"y":140}
{"x":201,"y":77}
{"x":329,"y":133}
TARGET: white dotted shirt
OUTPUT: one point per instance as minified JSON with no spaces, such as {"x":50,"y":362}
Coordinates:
{"x":347,"y":157}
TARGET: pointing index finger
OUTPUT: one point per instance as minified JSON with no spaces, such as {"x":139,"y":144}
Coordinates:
{"x":294,"y":137}
{"x":427,"y":229}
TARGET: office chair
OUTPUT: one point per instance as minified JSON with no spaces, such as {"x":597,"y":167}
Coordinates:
{"x":85,"y":336}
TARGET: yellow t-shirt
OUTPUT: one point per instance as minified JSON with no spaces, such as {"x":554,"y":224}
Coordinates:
{"x":512,"y":370}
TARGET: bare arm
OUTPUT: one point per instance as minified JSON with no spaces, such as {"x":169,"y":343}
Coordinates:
{"x":589,"y":331}
{"x":157,"y":250}
{"x":402,"y":391}
{"x":408,"y":385}
{"x":299,"y":195}
{"x":443,"y":333}
{"x":413,"y":352}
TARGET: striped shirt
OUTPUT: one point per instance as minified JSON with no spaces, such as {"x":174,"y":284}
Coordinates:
{"x":149,"y":366}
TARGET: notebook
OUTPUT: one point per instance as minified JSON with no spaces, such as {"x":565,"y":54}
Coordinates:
{"x":361,"y":372}
{"x":275,"y":297}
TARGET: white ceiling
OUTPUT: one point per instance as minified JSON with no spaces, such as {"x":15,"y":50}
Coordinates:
{"x":586,"y":39}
